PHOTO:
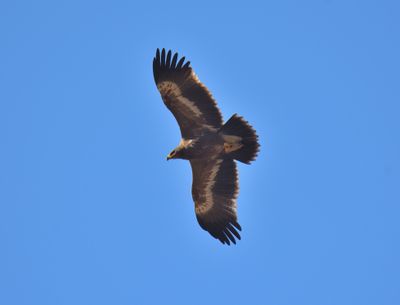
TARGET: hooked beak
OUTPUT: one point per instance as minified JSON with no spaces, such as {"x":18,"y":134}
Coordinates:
{"x":171,"y":155}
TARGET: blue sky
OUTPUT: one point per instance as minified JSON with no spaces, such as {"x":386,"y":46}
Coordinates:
{"x":90,"y":211}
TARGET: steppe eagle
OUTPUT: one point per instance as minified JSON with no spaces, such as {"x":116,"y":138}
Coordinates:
{"x":210,"y":145}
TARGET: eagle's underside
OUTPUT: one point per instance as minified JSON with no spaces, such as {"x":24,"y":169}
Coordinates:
{"x":211,"y":146}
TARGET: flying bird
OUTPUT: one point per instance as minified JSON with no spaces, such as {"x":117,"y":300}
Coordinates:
{"x":210,"y":145}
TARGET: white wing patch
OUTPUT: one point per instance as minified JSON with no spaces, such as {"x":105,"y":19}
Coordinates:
{"x":204,"y":207}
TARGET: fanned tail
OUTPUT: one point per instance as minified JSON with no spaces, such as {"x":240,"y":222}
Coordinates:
{"x":241,"y":140}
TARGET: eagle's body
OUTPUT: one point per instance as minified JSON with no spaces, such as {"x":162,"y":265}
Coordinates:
{"x":210,"y":145}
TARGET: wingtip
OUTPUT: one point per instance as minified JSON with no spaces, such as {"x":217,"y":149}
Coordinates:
{"x":237,"y":225}
{"x":163,"y":58}
{"x":229,"y":235}
{"x":169,"y":59}
{"x":174,"y":59}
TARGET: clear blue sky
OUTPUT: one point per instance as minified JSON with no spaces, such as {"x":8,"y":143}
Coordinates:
{"x":91,"y":212}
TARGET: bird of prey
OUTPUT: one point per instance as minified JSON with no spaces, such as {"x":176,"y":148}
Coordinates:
{"x":210,"y":145}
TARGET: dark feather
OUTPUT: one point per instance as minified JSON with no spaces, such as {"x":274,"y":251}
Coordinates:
{"x":163,"y":58}
{"x":174,"y":59}
{"x":180,"y":63}
{"x":168,"y":65}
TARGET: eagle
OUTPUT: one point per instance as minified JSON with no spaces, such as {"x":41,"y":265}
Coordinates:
{"x":210,"y":145}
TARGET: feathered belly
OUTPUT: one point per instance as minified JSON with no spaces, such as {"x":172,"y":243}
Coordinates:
{"x":207,"y":147}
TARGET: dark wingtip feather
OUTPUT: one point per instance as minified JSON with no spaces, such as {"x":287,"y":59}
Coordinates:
{"x":180,"y":63}
{"x":230,"y":236}
{"x":233,"y":230}
{"x":158,"y":54}
{"x":174,"y":59}
{"x":226,"y":239}
{"x":168,"y":63}
{"x":163,"y":58}
{"x":237,"y":225}
{"x":155,"y":69}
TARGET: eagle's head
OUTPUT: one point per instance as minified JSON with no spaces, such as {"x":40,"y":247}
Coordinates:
{"x":173,"y":154}
{"x":177,"y":153}
{"x":182,"y":150}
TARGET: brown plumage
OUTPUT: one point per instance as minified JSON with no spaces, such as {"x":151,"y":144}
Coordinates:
{"x":211,"y":146}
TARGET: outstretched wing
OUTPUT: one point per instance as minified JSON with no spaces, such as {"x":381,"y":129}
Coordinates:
{"x":214,"y":190}
{"x":185,"y":96}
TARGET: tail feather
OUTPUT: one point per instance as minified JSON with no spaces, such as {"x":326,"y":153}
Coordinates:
{"x":244,"y":135}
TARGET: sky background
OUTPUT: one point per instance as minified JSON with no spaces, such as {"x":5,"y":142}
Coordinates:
{"x":91,"y":212}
